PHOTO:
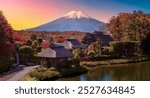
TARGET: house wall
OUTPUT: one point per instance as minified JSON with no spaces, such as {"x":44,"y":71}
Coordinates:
{"x":58,"y":62}
{"x":68,"y":45}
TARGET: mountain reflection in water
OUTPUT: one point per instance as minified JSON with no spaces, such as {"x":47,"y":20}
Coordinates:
{"x":122,"y":72}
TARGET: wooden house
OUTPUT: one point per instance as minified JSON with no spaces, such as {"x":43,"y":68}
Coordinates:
{"x":55,"y":56}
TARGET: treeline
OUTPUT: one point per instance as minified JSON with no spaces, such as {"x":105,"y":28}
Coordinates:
{"x":128,"y":28}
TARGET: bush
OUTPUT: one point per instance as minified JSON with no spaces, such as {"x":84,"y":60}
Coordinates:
{"x":103,"y":57}
{"x":127,"y":49}
{"x":106,"y":51}
{"x":91,"y":54}
{"x":44,"y":73}
{"x":29,"y":78}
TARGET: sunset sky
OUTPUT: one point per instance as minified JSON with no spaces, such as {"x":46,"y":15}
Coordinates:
{"x":23,"y":14}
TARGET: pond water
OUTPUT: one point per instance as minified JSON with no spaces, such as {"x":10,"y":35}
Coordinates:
{"x":120,"y":72}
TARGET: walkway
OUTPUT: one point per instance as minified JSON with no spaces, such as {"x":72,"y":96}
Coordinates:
{"x":16,"y":76}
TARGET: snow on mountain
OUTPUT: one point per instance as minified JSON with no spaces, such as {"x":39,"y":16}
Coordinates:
{"x":72,"y":21}
{"x":76,"y":14}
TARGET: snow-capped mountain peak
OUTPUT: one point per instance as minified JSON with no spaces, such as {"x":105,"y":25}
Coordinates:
{"x":72,"y":21}
{"x":76,"y":14}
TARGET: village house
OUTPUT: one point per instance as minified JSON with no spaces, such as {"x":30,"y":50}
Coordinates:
{"x":97,"y":36}
{"x":73,"y":43}
{"x":55,"y":56}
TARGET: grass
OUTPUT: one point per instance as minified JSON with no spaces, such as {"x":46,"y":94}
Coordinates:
{"x":114,"y":61}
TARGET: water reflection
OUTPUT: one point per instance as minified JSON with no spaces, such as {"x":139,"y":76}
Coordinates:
{"x":122,"y":72}
{"x":83,"y":78}
{"x":106,"y":78}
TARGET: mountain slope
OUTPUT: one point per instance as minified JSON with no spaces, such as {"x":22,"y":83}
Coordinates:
{"x":72,"y":21}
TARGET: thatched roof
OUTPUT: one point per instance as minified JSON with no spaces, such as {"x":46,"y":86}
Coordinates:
{"x":76,"y":44}
{"x":55,"y":51}
{"x":89,"y":38}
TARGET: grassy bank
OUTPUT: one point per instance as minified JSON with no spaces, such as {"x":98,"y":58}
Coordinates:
{"x":50,"y":74}
{"x":134,"y":59}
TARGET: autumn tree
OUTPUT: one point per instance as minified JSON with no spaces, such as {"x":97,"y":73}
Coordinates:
{"x":6,"y":46}
{"x":5,"y":35}
{"x":137,"y":26}
{"x":129,"y":26}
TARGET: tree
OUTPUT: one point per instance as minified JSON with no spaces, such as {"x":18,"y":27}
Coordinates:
{"x":76,"y":53}
{"x":138,"y":26}
{"x":6,"y":43}
{"x":97,"y":47}
{"x":29,"y":43}
{"x":76,"y":56}
{"x":18,"y":38}
{"x":39,"y":41}
{"x":5,"y":36}
{"x":129,"y":26}
{"x":145,"y":45}
{"x":26,"y":53}
{"x":33,"y":37}
{"x":94,"y":49}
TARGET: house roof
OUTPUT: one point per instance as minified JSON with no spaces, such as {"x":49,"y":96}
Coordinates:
{"x":76,"y":43}
{"x":55,"y":51}
{"x":100,"y":36}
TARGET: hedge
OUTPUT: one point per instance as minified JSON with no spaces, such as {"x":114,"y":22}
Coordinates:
{"x":125,"y":48}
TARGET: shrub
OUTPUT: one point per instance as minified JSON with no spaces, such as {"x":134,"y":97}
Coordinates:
{"x":103,"y":57}
{"x":106,"y":51}
{"x":29,"y":78}
{"x":91,"y":54}
{"x":44,"y":73}
{"x":127,"y":49}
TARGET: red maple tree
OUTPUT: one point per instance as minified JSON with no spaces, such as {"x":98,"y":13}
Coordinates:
{"x":6,"y":47}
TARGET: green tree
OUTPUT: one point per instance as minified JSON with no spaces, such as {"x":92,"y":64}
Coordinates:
{"x":39,"y":41}
{"x":91,"y":54}
{"x":76,"y":56}
{"x":97,"y":47}
{"x":29,"y":43}
{"x":76,"y":53}
{"x":26,"y":53}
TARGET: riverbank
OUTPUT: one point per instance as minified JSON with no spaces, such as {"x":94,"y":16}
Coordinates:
{"x":118,"y":72}
{"x":114,"y":61}
{"x":51,"y":74}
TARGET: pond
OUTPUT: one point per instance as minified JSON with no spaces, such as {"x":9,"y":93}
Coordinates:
{"x":120,"y":72}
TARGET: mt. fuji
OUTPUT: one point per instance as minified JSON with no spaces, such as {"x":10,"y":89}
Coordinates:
{"x":72,"y":21}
